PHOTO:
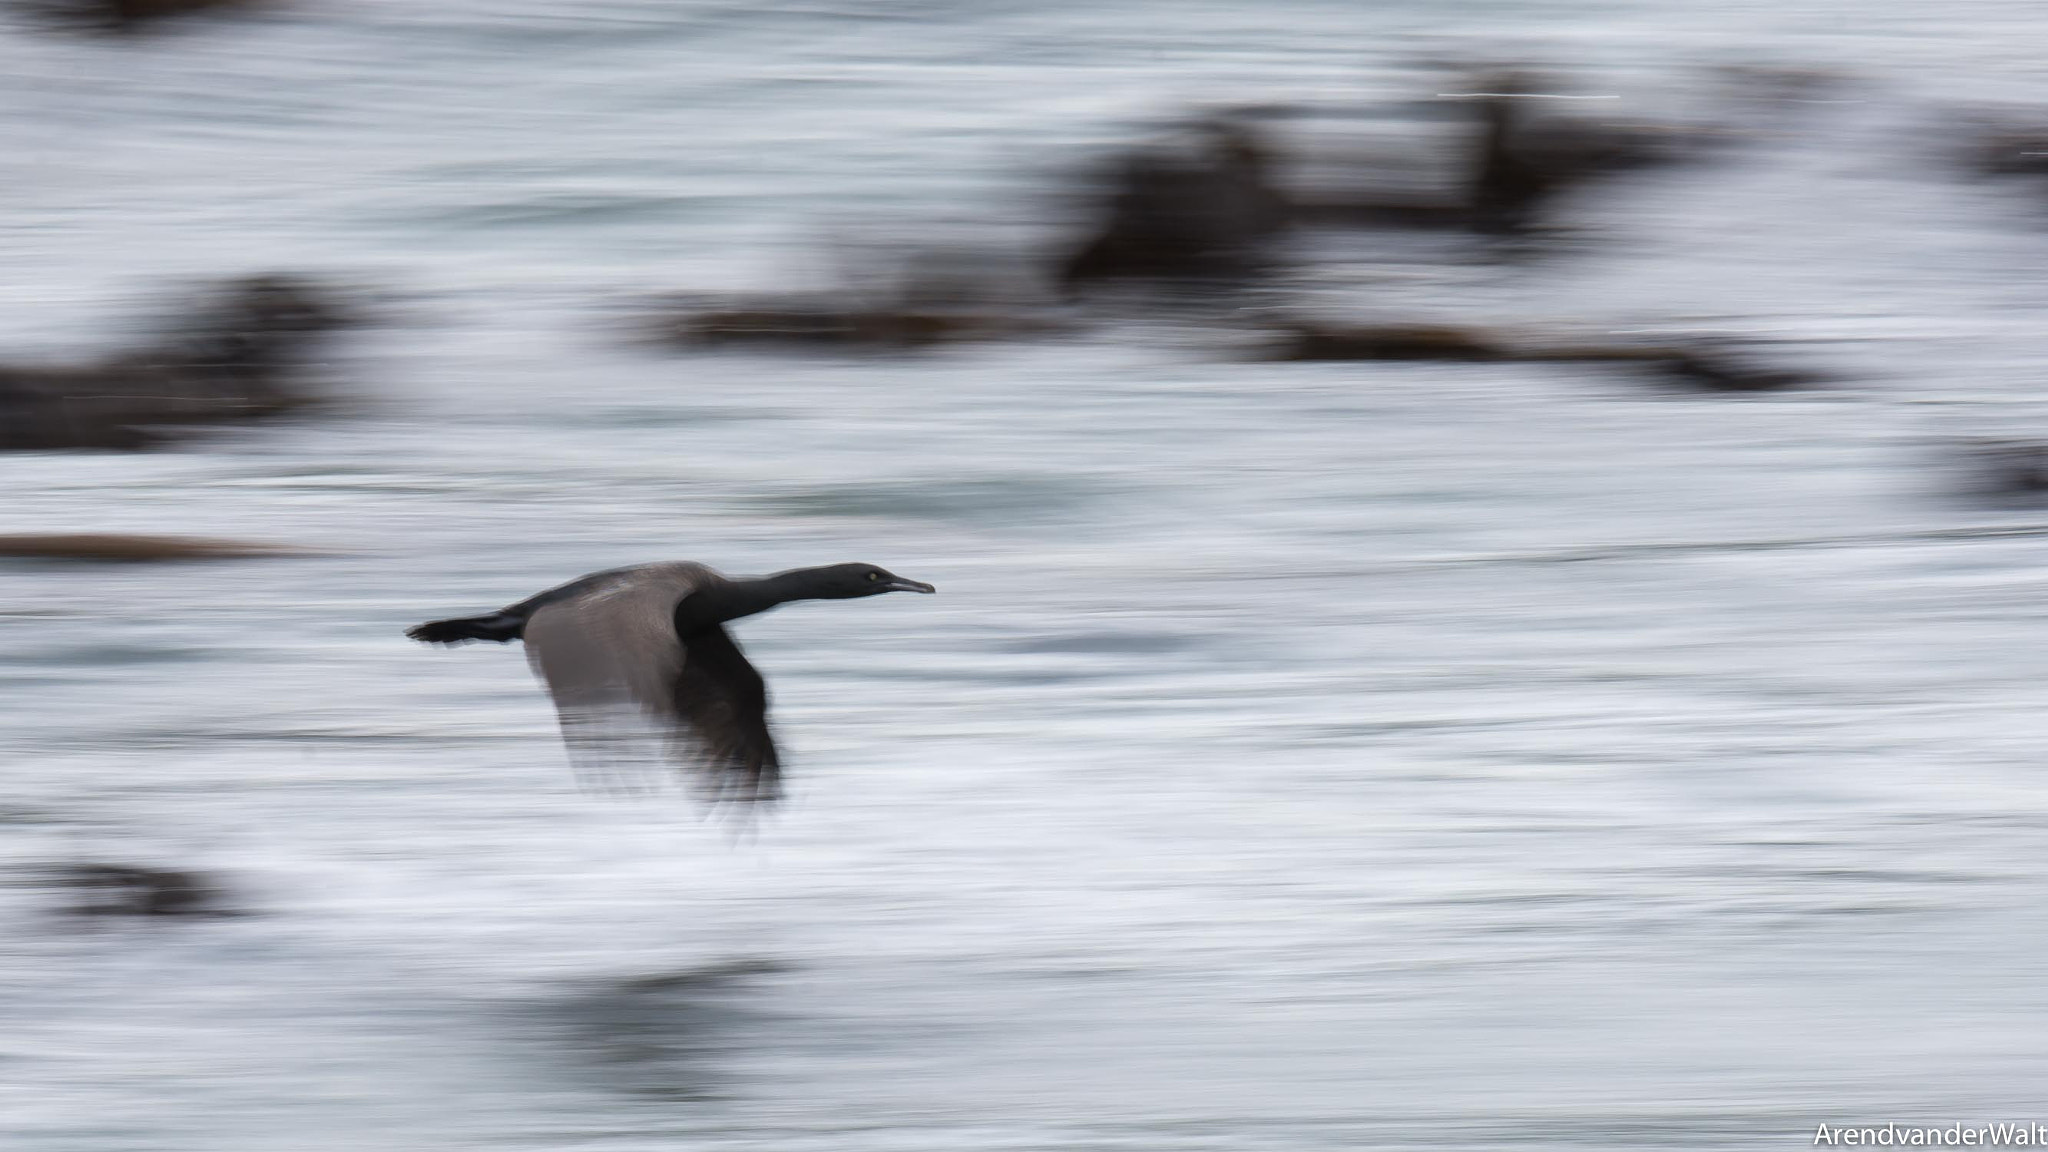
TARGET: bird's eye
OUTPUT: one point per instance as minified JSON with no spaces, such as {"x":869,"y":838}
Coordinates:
{"x":874,"y":575}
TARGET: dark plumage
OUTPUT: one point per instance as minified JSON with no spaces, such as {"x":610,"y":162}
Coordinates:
{"x":646,"y":646}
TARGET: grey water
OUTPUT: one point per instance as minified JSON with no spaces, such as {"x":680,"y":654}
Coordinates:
{"x":1295,"y":757}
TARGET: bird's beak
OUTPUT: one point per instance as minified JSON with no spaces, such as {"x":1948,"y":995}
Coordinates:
{"x":900,"y":585}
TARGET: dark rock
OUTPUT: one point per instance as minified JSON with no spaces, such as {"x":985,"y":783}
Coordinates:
{"x":1708,"y":367}
{"x":2006,"y":147}
{"x":1387,"y":342}
{"x":238,"y":356}
{"x":2008,"y":470}
{"x":1717,"y":370}
{"x":824,"y":324}
{"x":125,"y":15}
{"x":126,"y":890}
{"x":1208,"y":214}
{"x":128,"y":548}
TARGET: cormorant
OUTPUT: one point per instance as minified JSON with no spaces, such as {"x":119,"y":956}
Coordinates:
{"x":647,"y":646}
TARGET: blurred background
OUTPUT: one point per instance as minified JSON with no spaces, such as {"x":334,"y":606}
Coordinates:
{"x":1491,"y":564}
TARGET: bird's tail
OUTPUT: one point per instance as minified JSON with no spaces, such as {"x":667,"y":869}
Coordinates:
{"x":497,"y":626}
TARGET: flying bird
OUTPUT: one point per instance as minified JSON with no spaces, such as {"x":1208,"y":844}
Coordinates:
{"x":630,"y":649}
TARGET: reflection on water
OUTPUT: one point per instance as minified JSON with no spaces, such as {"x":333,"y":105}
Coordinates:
{"x":667,"y":1035}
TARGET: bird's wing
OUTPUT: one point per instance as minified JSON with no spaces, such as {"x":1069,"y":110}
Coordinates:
{"x":627,"y":688}
{"x":723,"y":704}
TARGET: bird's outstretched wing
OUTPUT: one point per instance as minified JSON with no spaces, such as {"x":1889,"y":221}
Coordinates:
{"x":723,"y":705}
{"x":629,"y":691}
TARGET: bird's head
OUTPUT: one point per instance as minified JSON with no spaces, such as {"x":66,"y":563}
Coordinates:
{"x":851,"y":581}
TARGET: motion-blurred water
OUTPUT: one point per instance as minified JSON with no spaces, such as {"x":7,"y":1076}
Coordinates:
{"x":1295,"y":757}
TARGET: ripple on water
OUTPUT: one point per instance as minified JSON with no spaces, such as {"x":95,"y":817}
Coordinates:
{"x":1028,"y":498}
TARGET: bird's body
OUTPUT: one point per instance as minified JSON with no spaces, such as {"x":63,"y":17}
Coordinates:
{"x":632,"y":649}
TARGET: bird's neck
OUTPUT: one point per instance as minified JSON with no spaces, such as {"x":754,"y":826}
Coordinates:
{"x":733,"y":599}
